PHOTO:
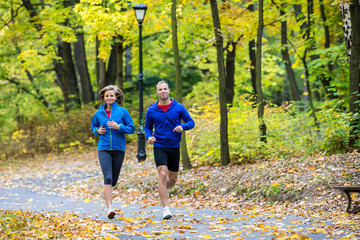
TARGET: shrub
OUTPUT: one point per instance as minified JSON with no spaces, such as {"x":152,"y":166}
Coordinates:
{"x":290,"y":132}
{"x":51,"y":132}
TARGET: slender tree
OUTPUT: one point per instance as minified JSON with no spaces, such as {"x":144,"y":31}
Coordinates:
{"x":87,"y":93}
{"x":310,"y":40}
{"x":119,"y":64}
{"x":306,"y":25}
{"x":128,"y":66}
{"x":230,"y":50}
{"x":183,"y":148}
{"x":230,"y":71}
{"x":285,"y":54}
{"x":224,"y":140}
{"x":65,"y":70}
{"x":260,"y":97}
{"x":111,"y":71}
{"x":325,"y":80}
{"x":100,"y":67}
{"x":354,"y":71}
{"x":252,"y":58}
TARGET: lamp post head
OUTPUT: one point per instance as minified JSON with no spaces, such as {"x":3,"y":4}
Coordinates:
{"x":140,"y":10}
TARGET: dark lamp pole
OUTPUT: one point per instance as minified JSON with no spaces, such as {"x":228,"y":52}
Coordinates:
{"x":140,"y":10}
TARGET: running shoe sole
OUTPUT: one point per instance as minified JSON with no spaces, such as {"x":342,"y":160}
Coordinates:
{"x":167,"y":216}
{"x":111,"y":215}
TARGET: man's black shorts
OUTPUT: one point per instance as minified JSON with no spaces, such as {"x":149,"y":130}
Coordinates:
{"x":169,"y":157}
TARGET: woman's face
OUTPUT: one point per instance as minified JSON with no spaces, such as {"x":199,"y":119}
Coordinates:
{"x":109,"y":97}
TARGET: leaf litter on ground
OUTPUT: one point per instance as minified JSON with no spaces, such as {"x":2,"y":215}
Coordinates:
{"x":299,"y":186}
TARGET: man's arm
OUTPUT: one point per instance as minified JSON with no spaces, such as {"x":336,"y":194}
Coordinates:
{"x":189,"y":123}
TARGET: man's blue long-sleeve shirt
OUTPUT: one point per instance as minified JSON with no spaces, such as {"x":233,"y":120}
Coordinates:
{"x":165,"y":122}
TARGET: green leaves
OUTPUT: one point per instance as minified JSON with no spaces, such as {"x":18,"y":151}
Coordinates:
{"x":291,"y":132}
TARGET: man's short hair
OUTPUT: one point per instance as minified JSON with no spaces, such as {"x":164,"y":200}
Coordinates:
{"x":161,"y":82}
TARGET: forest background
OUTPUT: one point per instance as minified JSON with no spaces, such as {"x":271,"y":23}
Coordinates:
{"x":56,"y":55}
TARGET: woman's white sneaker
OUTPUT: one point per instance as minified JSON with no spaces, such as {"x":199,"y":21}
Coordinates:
{"x":111,"y":213}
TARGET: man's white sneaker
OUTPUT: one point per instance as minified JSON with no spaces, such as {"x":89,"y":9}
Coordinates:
{"x":111,"y":213}
{"x":166,"y":213}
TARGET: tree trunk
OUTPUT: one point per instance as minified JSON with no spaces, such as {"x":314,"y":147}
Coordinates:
{"x":312,"y":107}
{"x":309,"y":37}
{"x":224,"y":141}
{"x":300,"y":18}
{"x":325,"y":80}
{"x":61,"y":80}
{"x":97,"y":64}
{"x":87,"y":94}
{"x":229,"y":62}
{"x":313,"y":57}
{"x":119,"y":65}
{"x":260,"y":97}
{"x":100,"y":66}
{"x":110,"y":78}
{"x":65,"y":82}
{"x":69,"y":73}
{"x":252,"y":57}
{"x":286,"y":58}
{"x":230,"y":71}
{"x":81,"y":63}
{"x":183,"y":148}
{"x":354,"y":71}
{"x":128,"y":66}
{"x":102,"y":73}
{"x":306,"y":35}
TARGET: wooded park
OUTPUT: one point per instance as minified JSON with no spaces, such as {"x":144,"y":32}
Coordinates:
{"x":263,"y":79}
{"x":272,"y":86}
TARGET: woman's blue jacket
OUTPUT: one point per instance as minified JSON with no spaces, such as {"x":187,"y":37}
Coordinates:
{"x":113,"y":139}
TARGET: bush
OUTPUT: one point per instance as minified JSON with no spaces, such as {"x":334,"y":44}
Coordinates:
{"x":50,"y":132}
{"x":290,"y":132}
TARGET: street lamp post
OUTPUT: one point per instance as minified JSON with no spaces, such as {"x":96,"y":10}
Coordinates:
{"x":140,"y":10}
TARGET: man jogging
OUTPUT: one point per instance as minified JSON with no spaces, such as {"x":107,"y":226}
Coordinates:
{"x":165,"y":116}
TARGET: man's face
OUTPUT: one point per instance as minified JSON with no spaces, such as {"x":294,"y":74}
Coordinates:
{"x":163,"y":91}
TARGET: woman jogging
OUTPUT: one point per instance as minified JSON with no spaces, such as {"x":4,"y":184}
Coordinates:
{"x":111,"y":122}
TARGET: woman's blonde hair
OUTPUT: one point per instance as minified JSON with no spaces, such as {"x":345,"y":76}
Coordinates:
{"x":118,"y":94}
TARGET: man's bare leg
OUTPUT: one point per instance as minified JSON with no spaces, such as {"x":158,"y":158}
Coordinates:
{"x":162,"y":185}
{"x":163,"y":193}
{"x":172,"y":178}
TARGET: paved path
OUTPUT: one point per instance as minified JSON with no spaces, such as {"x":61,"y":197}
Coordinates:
{"x":144,"y":222}
{"x":136,"y":222}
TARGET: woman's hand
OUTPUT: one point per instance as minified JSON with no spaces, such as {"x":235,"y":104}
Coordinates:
{"x":113,"y":125}
{"x":101,"y":130}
